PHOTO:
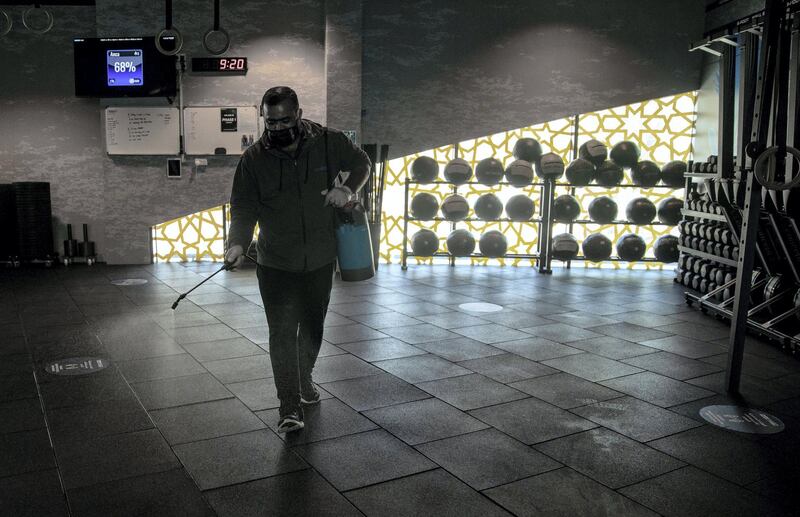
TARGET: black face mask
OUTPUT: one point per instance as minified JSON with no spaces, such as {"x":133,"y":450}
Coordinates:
{"x":282,"y":137}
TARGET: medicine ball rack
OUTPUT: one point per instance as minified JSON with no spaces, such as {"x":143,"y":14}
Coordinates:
{"x":534,"y":220}
{"x":572,"y":190}
{"x":758,"y":181}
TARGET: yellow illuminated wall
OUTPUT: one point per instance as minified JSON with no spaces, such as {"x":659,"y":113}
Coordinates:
{"x":663,"y":129}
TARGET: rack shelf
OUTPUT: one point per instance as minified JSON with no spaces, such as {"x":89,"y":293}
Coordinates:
{"x":703,"y":215}
{"x":708,"y":256}
{"x":620,"y":223}
{"x":477,"y":255}
{"x":622,"y":185}
{"x":475,"y":220}
{"x":441,"y":182}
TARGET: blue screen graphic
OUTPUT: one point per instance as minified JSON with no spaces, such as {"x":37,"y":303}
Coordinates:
{"x":124,"y":67}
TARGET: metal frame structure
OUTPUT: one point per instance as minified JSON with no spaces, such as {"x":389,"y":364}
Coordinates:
{"x":768,"y":116}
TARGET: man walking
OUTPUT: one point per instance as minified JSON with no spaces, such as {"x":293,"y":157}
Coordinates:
{"x":285,"y":183}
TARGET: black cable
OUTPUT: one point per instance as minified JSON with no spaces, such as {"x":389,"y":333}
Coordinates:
{"x":216,"y":15}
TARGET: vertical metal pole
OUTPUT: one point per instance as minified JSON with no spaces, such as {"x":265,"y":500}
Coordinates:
{"x":744,"y":273}
{"x":225,"y":230}
{"x":405,"y":228}
{"x":545,"y":234}
{"x":727,"y":78}
{"x":748,"y":71}
{"x":575,"y":129}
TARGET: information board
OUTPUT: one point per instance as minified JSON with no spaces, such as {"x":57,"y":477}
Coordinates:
{"x":142,"y":130}
{"x":220,"y":129}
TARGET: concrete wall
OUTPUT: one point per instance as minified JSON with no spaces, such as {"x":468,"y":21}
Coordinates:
{"x":424,"y":72}
{"x":440,"y":71}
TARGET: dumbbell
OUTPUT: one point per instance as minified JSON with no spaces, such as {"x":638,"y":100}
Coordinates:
{"x":698,"y":266}
{"x":690,"y":263}
{"x":711,"y":286}
{"x":688,"y":278}
{"x":718,"y":233}
{"x":709,"y":232}
{"x":679,"y":275}
{"x":718,"y":249}
{"x":696,"y":279}
{"x":735,"y":253}
{"x":705,"y":270}
{"x":703,"y":286}
{"x":726,"y":251}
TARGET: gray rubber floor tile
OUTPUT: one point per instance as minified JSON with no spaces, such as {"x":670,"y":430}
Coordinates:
{"x":164,"y":393}
{"x":564,"y":492}
{"x":685,"y":346}
{"x":36,"y":494}
{"x":487,"y":458}
{"x":561,"y":333}
{"x":722,"y":453}
{"x":25,"y":451}
{"x":537,"y":348}
{"x":362,"y":459}
{"x":507,"y":368}
{"x":268,"y":497}
{"x":609,"y":458}
{"x":424,"y":421}
{"x":352,"y":309}
{"x":645,"y":319}
{"x":451,"y":320}
{"x":237,"y":458}
{"x":591,"y":367}
{"x":636,"y":419}
{"x":705,"y":331}
{"x":207,"y":420}
{"x":515,"y":319}
{"x":700,"y":494}
{"x":460,"y":349}
{"x":531,"y":420}
{"x":163,"y":494}
{"x":672,"y":365}
{"x":490,"y":333}
{"x":21,"y":415}
{"x":630,"y":332}
{"x":243,"y":319}
{"x":471,"y":391}
{"x":759,"y":367}
{"x":339,"y":367}
{"x":17,"y":386}
{"x":418,"y":308}
{"x":108,"y":458}
{"x":204,"y":333}
{"x":612,"y":348}
{"x":349,"y":333}
{"x":160,"y":368}
{"x":385,"y":320}
{"x":374,"y":391}
{"x":240,"y":369}
{"x":657,"y":389}
{"x":421,"y":368}
{"x":565,"y":391}
{"x":429,"y":493}
{"x":225,"y":349}
{"x":423,"y":333}
{"x":381,"y":349}
{"x":580,"y":319}
{"x":330,"y":418}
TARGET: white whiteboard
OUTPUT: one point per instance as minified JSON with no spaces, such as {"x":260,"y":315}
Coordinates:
{"x":209,"y":130}
{"x":142,"y":130}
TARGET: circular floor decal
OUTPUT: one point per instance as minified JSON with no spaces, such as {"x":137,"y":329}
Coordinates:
{"x":742,"y":419}
{"x":129,"y":281}
{"x":77,"y":365}
{"x":480,"y":307}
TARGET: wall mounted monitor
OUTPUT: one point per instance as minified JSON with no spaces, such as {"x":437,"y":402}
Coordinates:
{"x":123,"y":67}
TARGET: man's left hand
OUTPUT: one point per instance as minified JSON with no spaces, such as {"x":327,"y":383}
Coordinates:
{"x":337,"y":196}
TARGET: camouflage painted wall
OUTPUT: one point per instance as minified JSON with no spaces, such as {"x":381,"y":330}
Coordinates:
{"x":440,"y":71}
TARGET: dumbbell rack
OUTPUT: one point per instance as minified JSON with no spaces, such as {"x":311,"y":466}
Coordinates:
{"x":572,"y":190}
{"x":541,"y":257}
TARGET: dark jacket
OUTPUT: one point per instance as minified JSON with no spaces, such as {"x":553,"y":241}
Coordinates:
{"x":283,"y":194}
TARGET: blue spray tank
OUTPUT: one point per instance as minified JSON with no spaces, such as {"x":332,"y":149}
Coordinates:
{"x":353,"y":241}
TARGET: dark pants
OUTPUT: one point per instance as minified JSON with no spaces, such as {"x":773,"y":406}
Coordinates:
{"x":296,"y":304}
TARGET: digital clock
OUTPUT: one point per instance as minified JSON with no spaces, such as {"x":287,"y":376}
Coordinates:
{"x":220,"y":65}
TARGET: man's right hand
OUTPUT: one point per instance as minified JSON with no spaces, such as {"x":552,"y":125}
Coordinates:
{"x":234,"y":257}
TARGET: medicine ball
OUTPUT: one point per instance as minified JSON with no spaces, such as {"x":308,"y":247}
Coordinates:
{"x":460,"y":243}
{"x":455,"y":208}
{"x":666,"y":249}
{"x":631,"y":247}
{"x":493,"y":244}
{"x":489,"y":171}
{"x":609,"y":174}
{"x":640,"y":211}
{"x":551,"y":166}
{"x":593,"y":151}
{"x":669,"y":211}
{"x":458,"y":171}
{"x":603,"y":210}
{"x":527,"y":149}
{"x":645,"y":174}
{"x":672,"y":174}
{"x":596,"y":247}
{"x":580,"y":172}
{"x":424,"y":206}
{"x":519,"y":173}
{"x":520,"y":208}
{"x":566,"y":209}
{"x":565,"y":247}
{"x":424,"y":243}
{"x":424,"y":169}
{"x":625,"y":153}
{"x":488,"y":206}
